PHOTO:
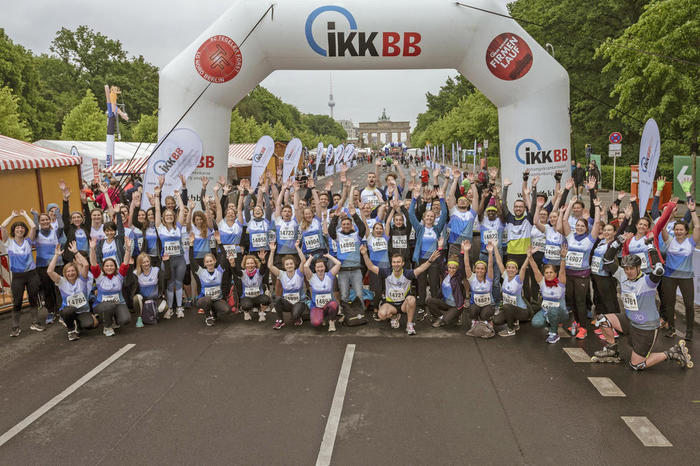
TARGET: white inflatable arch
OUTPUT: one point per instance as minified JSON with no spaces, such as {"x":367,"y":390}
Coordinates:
{"x":530,"y":89}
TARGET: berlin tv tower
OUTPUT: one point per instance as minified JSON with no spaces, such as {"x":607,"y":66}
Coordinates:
{"x":331,"y":102}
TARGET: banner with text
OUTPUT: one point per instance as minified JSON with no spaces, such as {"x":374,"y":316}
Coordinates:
{"x":264,"y":150}
{"x":649,"y":153}
{"x":291,"y":158}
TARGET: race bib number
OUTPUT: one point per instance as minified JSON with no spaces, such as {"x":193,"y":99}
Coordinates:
{"x":552,"y":252}
{"x":346,"y":245}
{"x":312,"y":242}
{"x":378,"y":244}
{"x":396,"y":295}
{"x":258,"y":240}
{"x":399,"y":242}
{"x":323,"y":299}
{"x":213,"y":292}
{"x":539,"y":243}
{"x":250,"y":292}
{"x":185,"y":242}
{"x":111,"y":299}
{"x":412,"y":235}
{"x":643,"y":257}
{"x":596,"y":264}
{"x":172,"y":248}
{"x":293,"y":298}
{"x":490,"y":235}
{"x":372,"y":200}
{"x":510,"y":299}
{"x":482,"y":299}
{"x":547,"y":304}
{"x":286,"y":234}
{"x":574,"y":259}
{"x":230,"y":250}
{"x":77,"y":300}
{"x":212,"y":243}
{"x":629,"y":302}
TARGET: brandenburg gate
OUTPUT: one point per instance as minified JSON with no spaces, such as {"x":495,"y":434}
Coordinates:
{"x":370,"y":133}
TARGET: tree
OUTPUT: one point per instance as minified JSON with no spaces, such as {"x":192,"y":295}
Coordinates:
{"x":85,"y":122}
{"x":11,"y":123}
{"x":146,"y":130}
{"x":655,"y":66}
{"x":280,"y":133}
{"x":323,"y":124}
{"x":439,"y":104}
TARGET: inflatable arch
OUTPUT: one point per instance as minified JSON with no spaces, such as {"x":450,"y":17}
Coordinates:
{"x":253,"y":38}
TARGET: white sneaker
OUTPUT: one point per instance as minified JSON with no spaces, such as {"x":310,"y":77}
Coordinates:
{"x":331,"y":326}
{"x":108,"y":331}
{"x":168,"y":314}
{"x":246,"y":315}
{"x":180,"y":313}
{"x":409,"y":329}
{"x":261,"y":316}
{"x":395,"y":321}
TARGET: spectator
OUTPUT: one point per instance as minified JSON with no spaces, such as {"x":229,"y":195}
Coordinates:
{"x":594,"y":171}
{"x":579,"y":176}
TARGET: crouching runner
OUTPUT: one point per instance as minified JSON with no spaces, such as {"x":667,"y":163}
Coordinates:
{"x":397,"y":285}
{"x":640,"y":321}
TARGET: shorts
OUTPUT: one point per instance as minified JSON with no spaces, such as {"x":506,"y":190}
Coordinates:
{"x":641,"y":340}
{"x":397,"y":306}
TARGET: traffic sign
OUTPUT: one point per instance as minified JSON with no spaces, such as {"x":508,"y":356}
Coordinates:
{"x":486,"y":143}
{"x":614,"y":150}
{"x":681,"y":169}
{"x":615,"y":138}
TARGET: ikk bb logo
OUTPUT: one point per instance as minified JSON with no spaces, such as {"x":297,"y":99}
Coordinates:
{"x":258,"y":157}
{"x":529,"y":152}
{"x":360,"y":44}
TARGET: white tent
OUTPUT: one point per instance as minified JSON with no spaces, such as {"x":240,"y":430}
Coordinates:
{"x":123,"y":151}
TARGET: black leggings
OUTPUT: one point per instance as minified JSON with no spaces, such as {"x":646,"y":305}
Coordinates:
{"x":78,"y":321}
{"x":20,"y":281}
{"x":249,"y":303}
{"x":376,"y":286}
{"x":687,"y":287}
{"x":112,"y":311}
{"x":48,"y":292}
{"x":430,"y":277}
{"x":483,"y":313}
{"x":605,"y":294}
{"x":213,"y":308}
{"x":510,"y":314}
{"x":576,"y":290}
{"x":439,"y":308}
{"x":297,"y":309}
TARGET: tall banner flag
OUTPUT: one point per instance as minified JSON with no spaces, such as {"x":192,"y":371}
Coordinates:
{"x":329,"y":160}
{"x":347,"y":154}
{"x":649,"y":153}
{"x":453,"y":153}
{"x":319,"y":155}
{"x":443,"y":154}
{"x":264,"y":150}
{"x":337,"y":156}
{"x":291,"y":158}
{"x":179,"y":154}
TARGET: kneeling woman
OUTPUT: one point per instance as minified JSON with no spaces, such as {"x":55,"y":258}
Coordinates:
{"x":75,"y":308}
{"x":323,"y":306}
{"x":151,"y":283}
{"x":514,"y":307}
{"x":109,"y":279}
{"x":209,"y":280}
{"x":253,"y":296}
{"x":553,"y":292}
{"x":293,"y":297}
{"x":481,"y":308}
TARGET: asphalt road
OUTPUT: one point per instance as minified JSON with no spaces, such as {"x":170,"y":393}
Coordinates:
{"x":242,"y":393}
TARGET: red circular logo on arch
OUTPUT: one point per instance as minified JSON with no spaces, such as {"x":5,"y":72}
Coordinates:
{"x":218,"y":59}
{"x":508,"y":57}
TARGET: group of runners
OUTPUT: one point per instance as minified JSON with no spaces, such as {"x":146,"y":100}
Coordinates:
{"x":446,"y":247}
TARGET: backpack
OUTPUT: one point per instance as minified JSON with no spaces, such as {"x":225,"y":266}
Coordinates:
{"x":354,"y":313}
{"x":149,"y":312}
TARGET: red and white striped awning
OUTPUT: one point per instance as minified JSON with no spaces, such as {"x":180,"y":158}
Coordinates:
{"x":240,"y":155}
{"x":135,"y":166}
{"x":20,"y":155}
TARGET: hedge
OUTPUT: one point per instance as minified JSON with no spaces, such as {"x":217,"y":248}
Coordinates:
{"x":623,"y":176}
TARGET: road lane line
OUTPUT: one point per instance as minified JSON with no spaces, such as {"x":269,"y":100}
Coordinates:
{"x":578,"y":354}
{"x":606,"y":387}
{"x":646,"y":432}
{"x":24,"y":423}
{"x":326,"y":450}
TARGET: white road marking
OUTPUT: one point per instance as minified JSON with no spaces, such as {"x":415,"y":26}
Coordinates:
{"x":578,"y":354}
{"x":606,"y":387}
{"x":646,"y":432}
{"x":326,"y":451}
{"x":24,"y":423}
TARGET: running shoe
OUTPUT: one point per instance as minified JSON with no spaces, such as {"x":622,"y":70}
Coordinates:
{"x":261,"y":316}
{"x":49,"y":318}
{"x":246,"y":315}
{"x":298,"y":322}
{"x":278,"y":324}
{"x":180,"y":313}
{"x":375,"y":316}
{"x":139,"y":322}
{"x":209,"y":321}
{"x":108,"y":331}
{"x":15,"y":332}
{"x":581,"y":334}
{"x":439,"y":322}
{"x":552,"y":338}
{"x":506,"y":332}
{"x":331,"y":326}
{"x":517,"y":325}
{"x":395,"y":321}
{"x":73,"y":335}
{"x":200,"y":311}
{"x":168,"y":314}
{"x":37,"y":327}
{"x":598,"y":331}
{"x":410,"y":330}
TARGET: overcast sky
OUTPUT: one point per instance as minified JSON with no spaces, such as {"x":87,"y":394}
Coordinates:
{"x":158,"y":30}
